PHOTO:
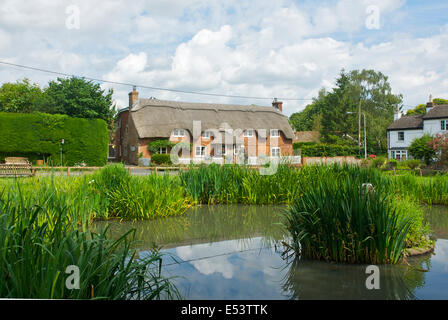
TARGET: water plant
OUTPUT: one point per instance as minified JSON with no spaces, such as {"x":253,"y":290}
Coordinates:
{"x":37,"y":245}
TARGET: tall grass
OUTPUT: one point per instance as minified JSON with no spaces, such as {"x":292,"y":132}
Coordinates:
{"x":334,"y":221}
{"x":37,"y":245}
{"x":214,"y":184}
{"x":108,"y":193}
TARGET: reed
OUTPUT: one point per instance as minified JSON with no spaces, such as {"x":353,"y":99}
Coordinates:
{"x":333,"y":219}
{"x":37,"y":245}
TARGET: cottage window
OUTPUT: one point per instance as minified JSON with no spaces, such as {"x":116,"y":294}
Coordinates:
{"x":206,"y":135}
{"x":223,"y":150}
{"x":275,"y":133}
{"x":249,"y":133}
{"x":200,"y":151}
{"x":163,"y":150}
{"x":238,"y":149}
{"x":179,"y":133}
{"x":401,"y":136}
{"x":275,"y":152}
{"x":399,"y":154}
{"x":443,"y":125}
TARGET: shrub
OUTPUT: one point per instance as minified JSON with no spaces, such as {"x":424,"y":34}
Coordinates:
{"x":413,"y":164}
{"x":392,"y":163}
{"x":155,"y":145}
{"x":39,"y":135}
{"x":161,"y":158}
{"x":420,"y":149}
{"x":378,"y":162}
{"x":312,"y":149}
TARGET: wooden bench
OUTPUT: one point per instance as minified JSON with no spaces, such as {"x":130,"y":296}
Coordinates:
{"x":16,"y":167}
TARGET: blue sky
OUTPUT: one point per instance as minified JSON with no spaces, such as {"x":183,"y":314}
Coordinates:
{"x":255,"y":47}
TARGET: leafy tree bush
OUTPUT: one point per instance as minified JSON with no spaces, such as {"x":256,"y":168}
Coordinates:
{"x":39,"y":135}
{"x":420,"y":149}
{"x":378,"y":162}
{"x":161,"y":158}
{"x":21,"y":96}
{"x":392,"y":163}
{"x":155,"y":145}
{"x":79,"y":98}
{"x":312,"y":149}
{"x":439,"y":145}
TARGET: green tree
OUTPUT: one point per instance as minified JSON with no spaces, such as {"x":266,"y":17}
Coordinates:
{"x":79,"y":98}
{"x":420,"y":109}
{"x":22,"y":97}
{"x":337,"y":126}
{"x":306,"y":119}
{"x":439,"y":101}
{"x":421,"y":149}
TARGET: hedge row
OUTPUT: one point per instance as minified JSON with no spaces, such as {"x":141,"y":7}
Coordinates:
{"x":38,"y":136}
{"x":312,"y":149}
{"x":161,"y":158}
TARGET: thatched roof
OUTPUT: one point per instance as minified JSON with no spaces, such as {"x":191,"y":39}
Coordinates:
{"x":158,"y":118}
{"x":407,"y":122}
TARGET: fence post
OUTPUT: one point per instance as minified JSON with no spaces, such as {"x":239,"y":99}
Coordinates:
{"x":68,"y":171}
{"x":129,"y":170}
{"x":421,"y":174}
{"x":394,"y":171}
{"x":155,"y":171}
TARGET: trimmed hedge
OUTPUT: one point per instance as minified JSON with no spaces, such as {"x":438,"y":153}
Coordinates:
{"x":313,"y":149}
{"x":39,"y":135}
{"x":161,"y":158}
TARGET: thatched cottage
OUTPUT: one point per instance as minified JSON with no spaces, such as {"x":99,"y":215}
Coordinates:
{"x":209,"y":132}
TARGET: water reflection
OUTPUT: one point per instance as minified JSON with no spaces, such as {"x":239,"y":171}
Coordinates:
{"x":234,"y":252}
{"x":205,"y":224}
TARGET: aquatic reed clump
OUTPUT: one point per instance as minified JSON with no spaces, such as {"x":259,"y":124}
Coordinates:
{"x":334,"y":220}
{"x":37,"y":245}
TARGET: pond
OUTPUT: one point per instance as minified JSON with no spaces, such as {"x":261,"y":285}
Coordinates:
{"x":235,"y":252}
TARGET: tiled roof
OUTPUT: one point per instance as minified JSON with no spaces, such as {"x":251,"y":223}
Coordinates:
{"x":407,"y":122}
{"x":437,"y":112}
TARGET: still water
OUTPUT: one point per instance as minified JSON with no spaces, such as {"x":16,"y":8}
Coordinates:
{"x":235,"y":252}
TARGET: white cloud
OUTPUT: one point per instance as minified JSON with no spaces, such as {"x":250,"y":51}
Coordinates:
{"x":255,"y":48}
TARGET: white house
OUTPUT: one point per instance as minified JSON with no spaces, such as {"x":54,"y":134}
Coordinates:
{"x":404,"y":130}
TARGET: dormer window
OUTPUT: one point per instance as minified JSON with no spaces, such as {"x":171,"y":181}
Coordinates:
{"x":275,"y":133}
{"x":178,"y":133}
{"x":206,"y":135}
{"x":249,"y":133}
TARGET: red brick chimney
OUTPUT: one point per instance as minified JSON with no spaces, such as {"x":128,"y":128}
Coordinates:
{"x":133,"y":97}
{"x":277,"y":104}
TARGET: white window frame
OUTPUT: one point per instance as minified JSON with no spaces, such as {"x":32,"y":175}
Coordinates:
{"x":275,"y":135}
{"x":249,"y":133}
{"x":399,"y":154}
{"x":161,"y":149}
{"x":179,"y":133}
{"x":443,"y":125}
{"x":206,"y":135}
{"x":201,"y":153}
{"x":398,"y":135}
{"x":275,"y":152}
